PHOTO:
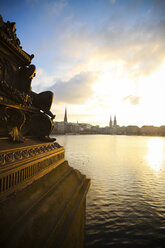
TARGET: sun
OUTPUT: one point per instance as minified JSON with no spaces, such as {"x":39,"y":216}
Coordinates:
{"x":155,"y":153}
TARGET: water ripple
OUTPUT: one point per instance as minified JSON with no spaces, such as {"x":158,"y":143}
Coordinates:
{"x":126,"y":200}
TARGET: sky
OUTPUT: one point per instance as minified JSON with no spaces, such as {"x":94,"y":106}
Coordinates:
{"x":99,"y":57}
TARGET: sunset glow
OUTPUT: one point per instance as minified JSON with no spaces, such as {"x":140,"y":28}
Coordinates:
{"x":155,"y":153}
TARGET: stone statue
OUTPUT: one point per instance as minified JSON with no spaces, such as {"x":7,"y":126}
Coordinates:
{"x":22,"y":111}
{"x":42,"y":100}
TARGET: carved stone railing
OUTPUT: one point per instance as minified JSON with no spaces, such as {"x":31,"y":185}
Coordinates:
{"x":13,"y":156}
{"x":12,"y":175}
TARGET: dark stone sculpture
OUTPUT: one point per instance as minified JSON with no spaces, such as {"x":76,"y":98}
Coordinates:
{"x":22,"y":111}
{"x":42,"y":100}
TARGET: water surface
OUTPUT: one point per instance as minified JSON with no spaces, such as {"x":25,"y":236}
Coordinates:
{"x":126,"y":200}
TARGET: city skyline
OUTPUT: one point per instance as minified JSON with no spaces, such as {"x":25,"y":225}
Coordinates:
{"x":113,"y":121}
{"x":67,"y":127}
{"x":98,"y":57}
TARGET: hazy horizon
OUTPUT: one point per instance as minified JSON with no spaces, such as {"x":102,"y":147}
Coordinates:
{"x":106,"y":125}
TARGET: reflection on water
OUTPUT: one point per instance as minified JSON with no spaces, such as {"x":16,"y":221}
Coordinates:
{"x":126,"y":200}
{"x":155,"y":153}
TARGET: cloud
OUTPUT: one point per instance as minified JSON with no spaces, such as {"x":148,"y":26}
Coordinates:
{"x":131,"y":99}
{"x":141,"y":46}
{"x":136,"y":38}
{"x":77,"y":90}
{"x":133,"y":33}
{"x":42,"y":81}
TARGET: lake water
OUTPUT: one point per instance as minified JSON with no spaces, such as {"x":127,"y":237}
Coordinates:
{"x":126,"y":200}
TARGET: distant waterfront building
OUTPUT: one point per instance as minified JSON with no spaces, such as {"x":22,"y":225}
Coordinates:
{"x":65,"y":127}
{"x":65,"y":116}
{"x":113,"y":124}
{"x":115,"y":121}
{"x":121,"y":130}
{"x":132,"y":130}
{"x":149,"y":130}
{"x":110,"y":122}
{"x":161,"y":130}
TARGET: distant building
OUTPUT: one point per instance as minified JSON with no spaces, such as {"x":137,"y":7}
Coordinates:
{"x":115,"y":121}
{"x":121,"y":130}
{"x":113,"y":127}
{"x":132,"y":130}
{"x":59,"y":127}
{"x":110,"y":122}
{"x":65,"y":127}
{"x":148,"y":130}
{"x":65,"y":116}
{"x":95,"y":129}
{"x":161,"y":130}
{"x":113,"y":124}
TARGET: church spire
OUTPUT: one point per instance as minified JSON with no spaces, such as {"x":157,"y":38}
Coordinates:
{"x":115,"y":121}
{"x":65,"y":116}
{"x":110,"y":122}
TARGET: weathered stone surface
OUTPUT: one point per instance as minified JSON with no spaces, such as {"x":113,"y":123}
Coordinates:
{"x":47,"y":213}
{"x":21,"y":165}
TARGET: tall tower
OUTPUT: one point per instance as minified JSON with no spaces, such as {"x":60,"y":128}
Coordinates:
{"x":110,"y":122}
{"x":65,"y":116}
{"x":115,"y":121}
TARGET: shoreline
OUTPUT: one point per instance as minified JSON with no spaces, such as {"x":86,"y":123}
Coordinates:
{"x":139,"y":135}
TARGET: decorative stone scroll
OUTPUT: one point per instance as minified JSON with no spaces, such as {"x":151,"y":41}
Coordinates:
{"x":15,"y":177}
{"x":20,"y":154}
{"x":8,"y":35}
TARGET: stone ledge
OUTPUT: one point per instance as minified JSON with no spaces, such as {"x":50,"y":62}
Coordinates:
{"x":44,"y":213}
{"x":31,"y":163}
{"x":23,"y":154}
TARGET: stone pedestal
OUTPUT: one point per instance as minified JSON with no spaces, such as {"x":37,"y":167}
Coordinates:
{"x":42,"y":199}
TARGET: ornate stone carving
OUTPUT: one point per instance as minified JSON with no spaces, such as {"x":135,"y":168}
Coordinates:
{"x":9,"y":157}
{"x":9,"y":31}
{"x":14,"y":94}
{"x":13,"y":120}
{"x":23,"y":112}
